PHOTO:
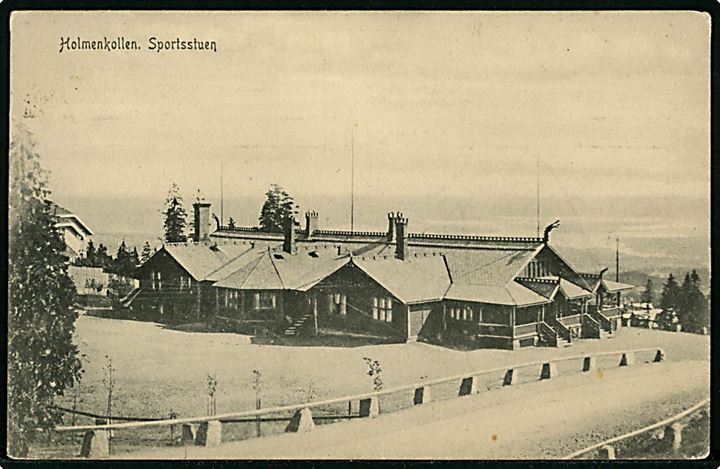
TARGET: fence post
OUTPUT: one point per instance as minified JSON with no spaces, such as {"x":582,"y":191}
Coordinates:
{"x":509,"y":378}
{"x":627,"y":359}
{"x":301,"y":421}
{"x":209,"y":433}
{"x":422,"y":395}
{"x":187,"y":437}
{"x":468,"y":386}
{"x":548,"y":370}
{"x":607,"y":452}
{"x":96,"y":444}
{"x":673,"y":436}
{"x":369,"y":407}
{"x":588,"y":363}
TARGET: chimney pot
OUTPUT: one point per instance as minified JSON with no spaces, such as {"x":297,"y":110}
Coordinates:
{"x":311,"y":223}
{"x":289,"y":244}
{"x":201,"y":221}
{"x":401,"y":243}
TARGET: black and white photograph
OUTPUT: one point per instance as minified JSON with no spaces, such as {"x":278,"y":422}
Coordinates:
{"x":353,"y":235}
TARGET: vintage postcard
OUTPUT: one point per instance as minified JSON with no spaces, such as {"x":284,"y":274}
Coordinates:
{"x":359,"y":235}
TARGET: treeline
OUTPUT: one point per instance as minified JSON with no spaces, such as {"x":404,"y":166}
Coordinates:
{"x":684,"y":304}
{"x":125,"y":262}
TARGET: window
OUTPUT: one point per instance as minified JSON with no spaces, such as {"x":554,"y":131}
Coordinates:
{"x":182,"y":282}
{"x":264,"y":300}
{"x":382,"y":309}
{"x":156,"y":281}
{"x":461,"y":314}
{"x":337,"y":303}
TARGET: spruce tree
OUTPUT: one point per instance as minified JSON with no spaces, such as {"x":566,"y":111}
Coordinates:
{"x":175,"y":216}
{"x":647,"y":296}
{"x":670,"y":292}
{"x":42,"y":361}
{"x":277,"y":209}
{"x":147,"y":252}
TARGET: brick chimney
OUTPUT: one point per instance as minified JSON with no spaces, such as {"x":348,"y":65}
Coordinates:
{"x":311,"y":223}
{"x":401,"y":235}
{"x":201,"y":221}
{"x":391,"y":227}
{"x":289,"y":244}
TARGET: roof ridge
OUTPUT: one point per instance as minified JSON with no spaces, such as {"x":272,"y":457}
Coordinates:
{"x":272,"y":261}
{"x":259,"y":260}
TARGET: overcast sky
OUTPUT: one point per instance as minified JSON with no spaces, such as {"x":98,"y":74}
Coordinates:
{"x":442,"y":104}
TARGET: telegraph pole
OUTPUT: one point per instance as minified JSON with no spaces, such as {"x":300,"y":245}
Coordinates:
{"x":617,"y":259}
{"x":537,"y":196}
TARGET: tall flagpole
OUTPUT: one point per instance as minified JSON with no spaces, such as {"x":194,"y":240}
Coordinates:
{"x":537,"y":196}
{"x":617,"y":259}
{"x":352,"y":180}
{"x":222,"y":218}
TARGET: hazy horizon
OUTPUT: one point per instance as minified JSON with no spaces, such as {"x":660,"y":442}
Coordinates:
{"x":452,"y":117}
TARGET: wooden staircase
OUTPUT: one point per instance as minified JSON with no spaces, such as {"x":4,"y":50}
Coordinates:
{"x":294,"y":329}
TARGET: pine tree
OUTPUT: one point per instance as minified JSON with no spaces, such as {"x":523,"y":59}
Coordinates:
{"x":175,"y":216}
{"x":647,"y":296}
{"x":670,"y":292}
{"x":42,"y":360}
{"x":231,"y":223}
{"x":102,"y":258}
{"x":90,"y":253}
{"x":277,"y":209}
{"x":134,"y":258}
{"x":684,"y":307}
{"x":695,"y":313}
{"x":147,"y":252}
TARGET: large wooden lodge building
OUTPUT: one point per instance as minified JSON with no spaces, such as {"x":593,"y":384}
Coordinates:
{"x":485,"y":291}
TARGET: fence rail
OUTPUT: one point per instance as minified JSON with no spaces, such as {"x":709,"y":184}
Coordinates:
{"x":349,"y":398}
{"x":649,"y":428}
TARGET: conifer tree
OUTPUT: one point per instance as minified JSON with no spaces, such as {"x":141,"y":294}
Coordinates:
{"x":147,"y":252}
{"x":43,"y":361}
{"x":647,"y":296}
{"x":175,"y":216}
{"x":231,"y":223}
{"x":670,"y":292}
{"x":277,"y":209}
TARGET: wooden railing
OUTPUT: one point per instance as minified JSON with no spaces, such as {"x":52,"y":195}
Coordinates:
{"x":368,"y":401}
{"x":610,"y":312}
{"x":590,"y":327}
{"x":671,"y":435}
{"x":500,"y":330}
{"x":562,"y":330}
{"x":603,"y":320}
{"x":526,"y":329}
{"x":574,"y":320}
{"x":547,"y":334}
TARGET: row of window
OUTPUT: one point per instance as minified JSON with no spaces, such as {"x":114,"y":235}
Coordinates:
{"x":260,"y":300}
{"x":462,"y":314}
{"x":185,"y":282}
{"x":382,"y":309}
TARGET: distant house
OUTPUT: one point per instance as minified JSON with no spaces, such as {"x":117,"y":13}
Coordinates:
{"x":488,"y":291}
{"x":75,"y":232}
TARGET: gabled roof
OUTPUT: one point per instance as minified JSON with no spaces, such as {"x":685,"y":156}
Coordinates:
{"x":614,"y":287}
{"x":416,"y":279}
{"x":202,"y":259}
{"x":512,"y":294}
{"x":277,"y":270}
{"x":487,"y":266}
{"x":546,"y":288}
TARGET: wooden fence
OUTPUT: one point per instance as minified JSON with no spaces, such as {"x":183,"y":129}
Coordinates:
{"x":95,"y":442}
{"x":669,"y":441}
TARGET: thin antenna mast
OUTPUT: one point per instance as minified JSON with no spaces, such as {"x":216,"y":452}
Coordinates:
{"x":352,"y":180}
{"x":537,"y":195}
{"x":617,"y":259}
{"x":222,"y":218}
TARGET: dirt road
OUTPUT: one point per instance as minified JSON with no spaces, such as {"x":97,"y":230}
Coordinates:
{"x":537,"y":420}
